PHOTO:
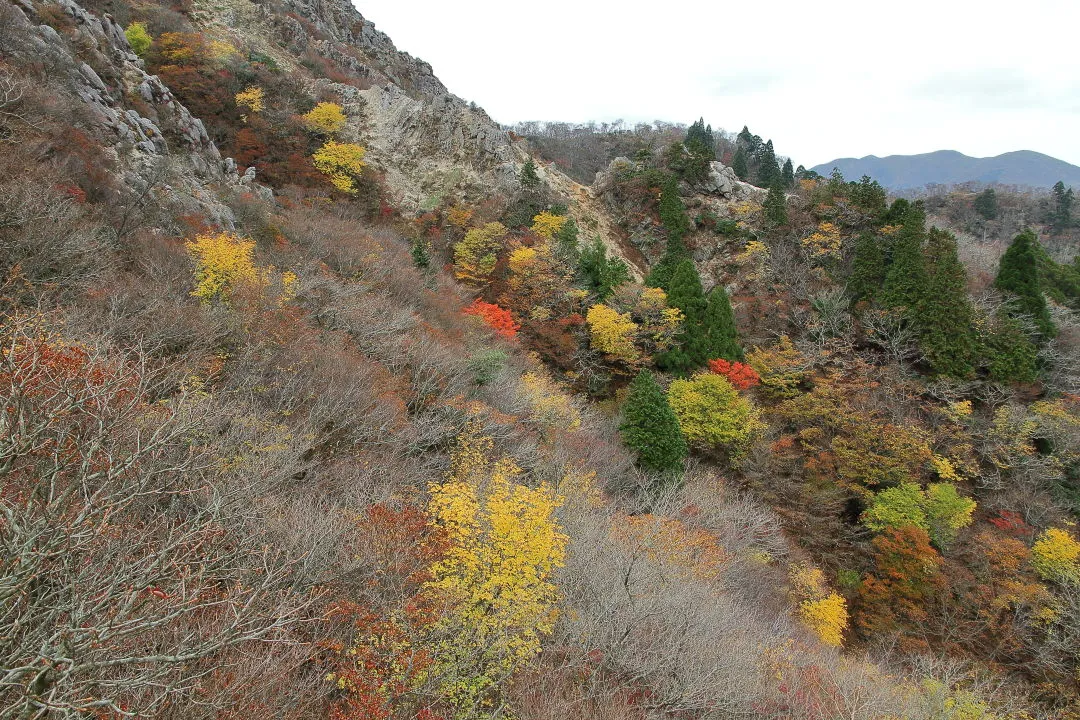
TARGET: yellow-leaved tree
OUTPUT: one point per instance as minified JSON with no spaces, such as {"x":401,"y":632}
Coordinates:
{"x":495,"y":579}
{"x":825,"y":242}
{"x":613,"y":333}
{"x":252,"y":100}
{"x":342,"y":163}
{"x":552,"y":407}
{"x":1056,"y":556}
{"x":326,"y":118}
{"x":820,"y":609}
{"x":713,"y":415}
{"x":223,"y":262}
{"x":476,"y":254}
{"x":547,"y":225}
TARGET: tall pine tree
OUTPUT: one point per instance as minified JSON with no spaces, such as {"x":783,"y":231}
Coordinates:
{"x":529,"y":179}
{"x":739,"y":164}
{"x":867,"y":268}
{"x":905,"y":279}
{"x":721,"y":336}
{"x":986,"y":204}
{"x":699,"y":140}
{"x":676,"y":223}
{"x":768,"y":170}
{"x":787,"y":175}
{"x":650,"y":428}
{"x":775,"y":205}
{"x":1005,"y":350}
{"x":684,"y":291}
{"x":1061,"y":212}
{"x":943,"y":316}
{"x":1018,"y":278}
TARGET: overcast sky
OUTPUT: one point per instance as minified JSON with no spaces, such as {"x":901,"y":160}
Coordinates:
{"x":824,"y":80}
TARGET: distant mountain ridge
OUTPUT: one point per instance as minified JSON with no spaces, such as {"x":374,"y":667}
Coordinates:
{"x":947,"y":167}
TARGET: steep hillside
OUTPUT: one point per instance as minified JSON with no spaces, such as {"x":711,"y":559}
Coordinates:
{"x":324,"y":399}
{"x":948,"y":167}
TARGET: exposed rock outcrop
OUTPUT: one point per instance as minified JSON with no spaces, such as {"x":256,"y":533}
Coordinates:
{"x":428,"y":142}
{"x":724,"y":183}
{"x":161,"y":150}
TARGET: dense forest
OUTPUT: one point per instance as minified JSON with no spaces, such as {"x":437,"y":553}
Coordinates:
{"x":326,"y":397}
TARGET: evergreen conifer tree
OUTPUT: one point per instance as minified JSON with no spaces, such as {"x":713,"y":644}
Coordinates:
{"x":673,"y":213}
{"x":896,"y":212}
{"x":869,"y":196}
{"x":739,"y":165}
{"x":943,"y":315}
{"x":1006,"y":351}
{"x":775,"y":205}
{"x":650,"y":428}
{"x":684,"y":291}
{"x":721,"y":335}
{"x":529,"y":179}
{"x":746,"y":138}
{"x":602,"y":274}
{"x":787,"y":175}
{"x":673,"y":216}
{"x":567,"y":240}
{"x":768,"y":171}
{"x":905,"y":279}
{"x":1061,"y":213}
{"x":867,"y":268}
{"x":699,"y":140}
{"x":1018,"y":278}
{"x":420,"y":254}
{"x":986,"y":204}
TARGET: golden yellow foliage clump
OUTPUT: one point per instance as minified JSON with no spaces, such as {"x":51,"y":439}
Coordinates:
{"x":612,"y":333}
{"x":521,"y":259}
{"x":223,"y":262}
{"x":552,"y":407}
{"x":221,"y":51}
{"x":476,"y":254}
{"x":1056,"y":556}
{"x":712,"y":414}
{"x":251,"y":99}
{"x":327,"y":118}
{"x":547,"y":225}
{"x":821,"y":610}
{"x":496,"y":576}
{"x":754,"y":259}
{"x":824,"y":242}
{"x":342,"y":163}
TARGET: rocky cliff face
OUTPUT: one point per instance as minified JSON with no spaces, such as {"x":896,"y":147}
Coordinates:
{"x":158,"y":148}
{"x":428,"y":141}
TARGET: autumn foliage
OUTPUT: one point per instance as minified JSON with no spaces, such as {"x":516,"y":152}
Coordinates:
{"x":497,"y":318}
{"x":740,"y":375}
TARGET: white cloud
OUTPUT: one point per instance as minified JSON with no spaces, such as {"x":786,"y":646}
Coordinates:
{"x":830,"y":79}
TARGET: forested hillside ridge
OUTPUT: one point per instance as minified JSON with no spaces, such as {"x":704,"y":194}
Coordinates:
{"x":1023,"y":168}
{"x":326,"y":398}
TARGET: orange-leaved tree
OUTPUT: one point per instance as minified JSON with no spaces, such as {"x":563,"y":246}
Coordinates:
{"x":498,"y":319}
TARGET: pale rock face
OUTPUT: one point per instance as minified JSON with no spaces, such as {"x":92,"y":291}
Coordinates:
{"x":158,"y":136}
{"x":428,"y":142}
{"x":723,"y":182}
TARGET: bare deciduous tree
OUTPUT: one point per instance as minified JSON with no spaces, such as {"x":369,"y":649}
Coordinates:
{"x":124,"y":570}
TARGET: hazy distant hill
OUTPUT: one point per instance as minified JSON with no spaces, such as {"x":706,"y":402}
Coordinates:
{"x":1022,"y":167}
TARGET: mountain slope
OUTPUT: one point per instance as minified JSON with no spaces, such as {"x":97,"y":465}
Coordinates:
{"x":946,"y":167}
